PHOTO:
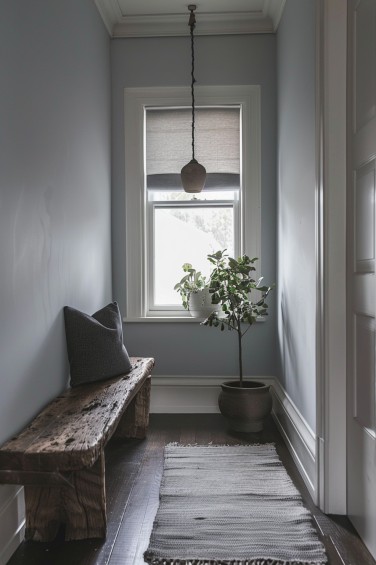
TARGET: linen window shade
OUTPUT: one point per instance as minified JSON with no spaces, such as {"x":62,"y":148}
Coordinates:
{"x":169,"y":146}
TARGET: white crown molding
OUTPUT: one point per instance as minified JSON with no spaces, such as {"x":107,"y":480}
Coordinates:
{"x":167,"y":25}
{"x":274,"y":9}
{"x":176,"y":25}
{"x":109,"y":12}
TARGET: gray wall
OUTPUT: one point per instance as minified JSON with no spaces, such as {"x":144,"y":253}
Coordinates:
{"x":228,"y":60}
{"x":296,"y":204}
{"x":55,"y":205}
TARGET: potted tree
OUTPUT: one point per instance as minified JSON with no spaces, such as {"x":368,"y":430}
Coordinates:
{"x":244,"y":403}
{"x":194,"y":291}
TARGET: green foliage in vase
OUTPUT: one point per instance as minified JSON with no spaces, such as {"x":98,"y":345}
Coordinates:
{"x":191,"y":282}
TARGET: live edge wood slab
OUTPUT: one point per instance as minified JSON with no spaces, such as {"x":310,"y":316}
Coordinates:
{"x":59,"y":457}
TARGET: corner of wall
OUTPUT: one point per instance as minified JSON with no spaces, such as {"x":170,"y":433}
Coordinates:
{"x":12,"y":520}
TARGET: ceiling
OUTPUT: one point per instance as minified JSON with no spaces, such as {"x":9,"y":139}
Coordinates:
{"x":153,"y":18}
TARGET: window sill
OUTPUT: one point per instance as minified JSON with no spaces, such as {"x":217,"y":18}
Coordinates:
{"x":171,"y":320}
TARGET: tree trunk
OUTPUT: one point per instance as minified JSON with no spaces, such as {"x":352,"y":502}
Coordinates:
{"x":240,"y":355}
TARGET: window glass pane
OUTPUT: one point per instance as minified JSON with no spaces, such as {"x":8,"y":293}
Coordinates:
{"x":187,"y":235}
{"x":172,"y":196}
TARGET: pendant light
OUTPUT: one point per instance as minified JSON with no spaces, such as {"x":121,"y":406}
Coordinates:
{"x":193,"y":174}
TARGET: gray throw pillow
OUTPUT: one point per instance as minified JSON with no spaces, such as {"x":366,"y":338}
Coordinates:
{"x":95,"y":344}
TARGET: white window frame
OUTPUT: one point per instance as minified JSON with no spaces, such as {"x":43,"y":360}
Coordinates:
{"x":136,"y":100}
{"x":173,"y":310}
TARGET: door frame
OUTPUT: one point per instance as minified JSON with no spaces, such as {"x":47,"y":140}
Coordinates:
{"x":331,"y":121}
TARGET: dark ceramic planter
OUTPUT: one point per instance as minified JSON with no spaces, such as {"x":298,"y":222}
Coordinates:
{"x":245,"y":408}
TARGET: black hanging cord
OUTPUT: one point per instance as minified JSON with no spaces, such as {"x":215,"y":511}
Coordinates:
{"x":192,"y":23}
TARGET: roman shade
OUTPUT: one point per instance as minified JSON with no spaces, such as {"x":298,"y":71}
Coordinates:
{"x":217,"y":146}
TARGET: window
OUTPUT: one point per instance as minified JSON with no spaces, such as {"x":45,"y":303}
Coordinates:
{"x":166,"y":227}
{"x":183,"y":227}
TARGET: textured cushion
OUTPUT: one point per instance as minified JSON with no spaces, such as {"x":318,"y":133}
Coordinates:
{"x":95,"y":344}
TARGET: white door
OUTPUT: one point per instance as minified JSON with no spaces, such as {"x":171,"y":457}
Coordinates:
{"x":361,"y":428}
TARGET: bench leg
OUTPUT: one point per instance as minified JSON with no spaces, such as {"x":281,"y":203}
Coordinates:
{"x":81,"y":505}
{"x":43,"y":512}
{"x":85,"y":503}
{"x":135,"y":420}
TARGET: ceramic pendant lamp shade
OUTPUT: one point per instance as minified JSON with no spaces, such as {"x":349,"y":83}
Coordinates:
{"x":193,"y":175}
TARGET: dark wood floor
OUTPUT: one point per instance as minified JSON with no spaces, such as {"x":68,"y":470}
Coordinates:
{"x":133,"y":473}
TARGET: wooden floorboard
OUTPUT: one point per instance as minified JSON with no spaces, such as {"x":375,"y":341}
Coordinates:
{"x":133,"y":473}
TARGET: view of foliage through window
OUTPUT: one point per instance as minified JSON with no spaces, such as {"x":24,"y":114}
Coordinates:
{"x":219,"y":224}
{"x":187,"y":234}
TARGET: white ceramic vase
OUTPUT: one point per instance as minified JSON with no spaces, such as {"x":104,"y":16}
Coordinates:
{"x":200,"y":304}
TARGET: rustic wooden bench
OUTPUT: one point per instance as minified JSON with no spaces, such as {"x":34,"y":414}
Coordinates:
{"x":59,"y":457}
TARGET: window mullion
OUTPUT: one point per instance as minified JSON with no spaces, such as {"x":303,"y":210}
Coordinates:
{"x":150,"y":253}
{"x":194,"y":204}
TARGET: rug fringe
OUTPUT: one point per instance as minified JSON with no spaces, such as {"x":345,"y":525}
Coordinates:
{"x":177,"y":444}
{"x":258,"y":561}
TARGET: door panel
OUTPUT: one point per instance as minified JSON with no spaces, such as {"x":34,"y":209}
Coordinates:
{"x":364,"y":205}
{"x":365,"y":62}
{"x":364,"y":375}
{"x":361,"y":443}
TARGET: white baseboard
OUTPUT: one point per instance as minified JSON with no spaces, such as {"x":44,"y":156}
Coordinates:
{"x":189,"y":394}
{"x":298,"y":436}
{"x":199,"y":395}
{"x":12,"y":520}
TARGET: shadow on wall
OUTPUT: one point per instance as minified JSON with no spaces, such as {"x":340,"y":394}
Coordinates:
{"x":39,"y":378}
{"x":287,"y":349}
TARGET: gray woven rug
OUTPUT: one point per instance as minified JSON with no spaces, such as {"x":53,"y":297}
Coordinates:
{"x":230,"y":504}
